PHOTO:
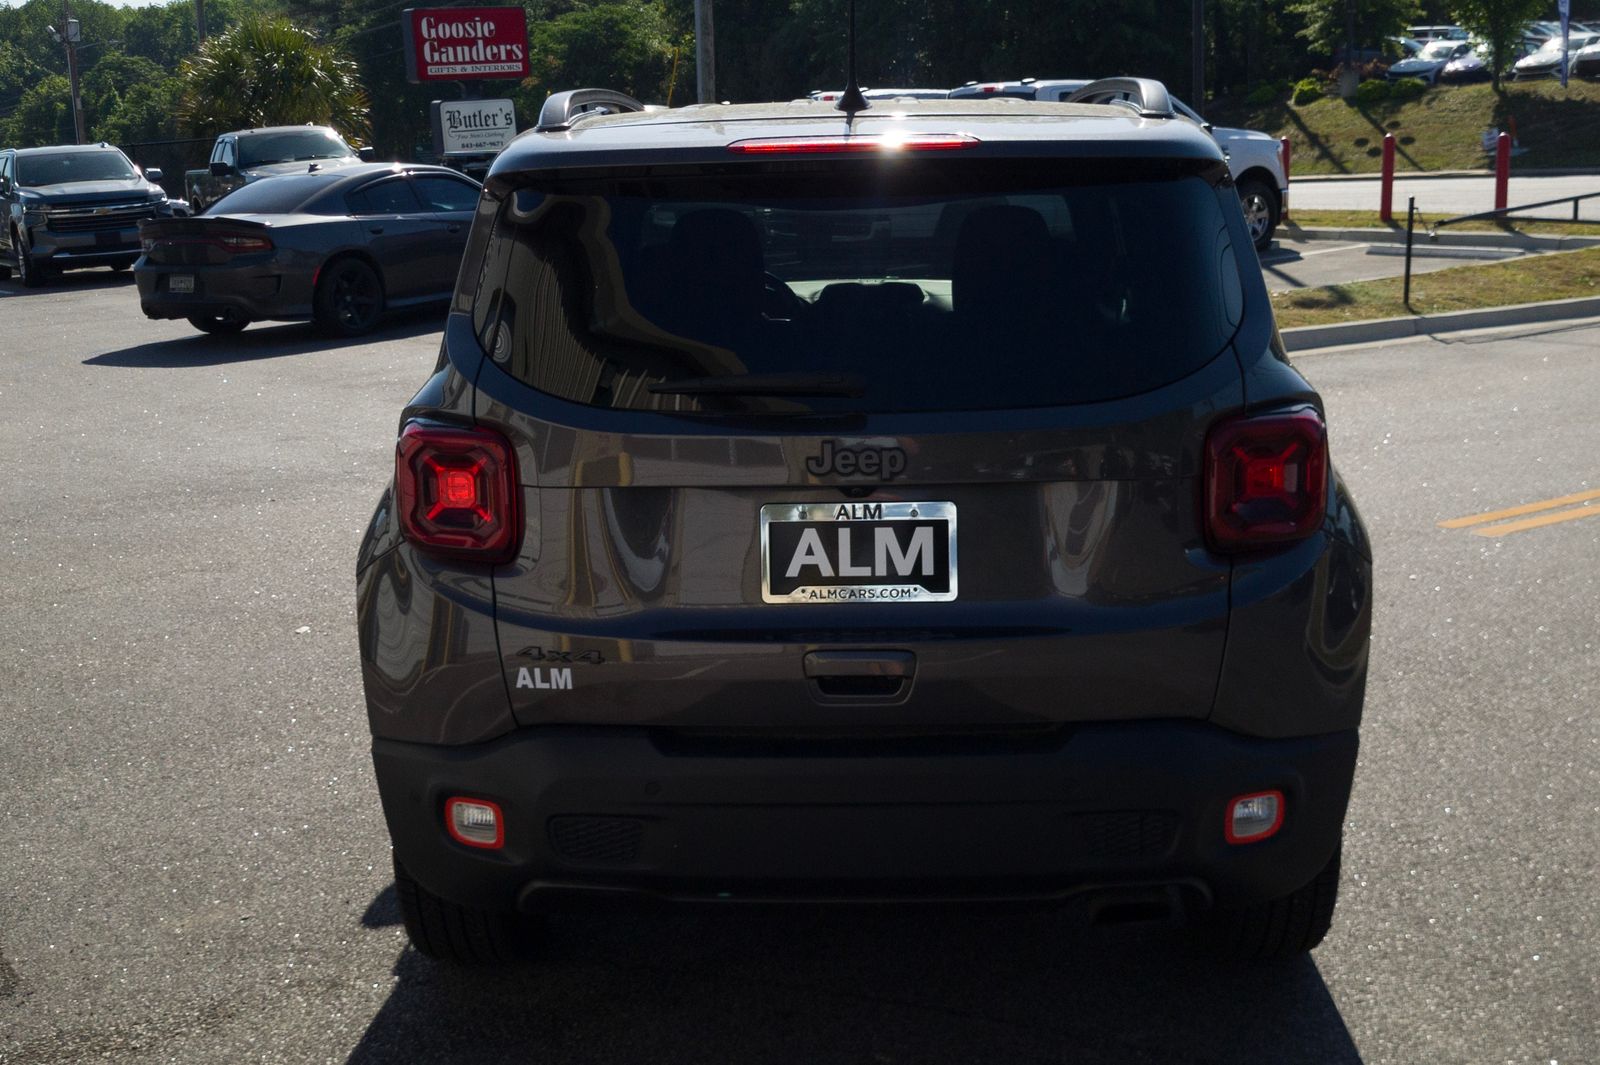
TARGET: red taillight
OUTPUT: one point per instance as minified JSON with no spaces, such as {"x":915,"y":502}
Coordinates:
{"x":456,"y":492}
{"x":232,"y":244}
{"x":867,"y":142}
{"x":240,"y":245}
{"x":1266,"y":480}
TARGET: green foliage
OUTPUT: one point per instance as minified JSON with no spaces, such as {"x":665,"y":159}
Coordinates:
{"x":1328,"y":23}
{"x":147,"y":111}
{"x":1407,"y":89}
{"x":626,"y":46}
{"x":1308,"y":91}
{"x":1500,"y":25}
{"x":265,"y":71}
{"x":1377,"y":92}
{"x":44,"y":115}
{"x":1271,"y":92}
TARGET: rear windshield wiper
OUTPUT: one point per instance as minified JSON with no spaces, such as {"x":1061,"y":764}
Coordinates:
{"x":764,"y":384}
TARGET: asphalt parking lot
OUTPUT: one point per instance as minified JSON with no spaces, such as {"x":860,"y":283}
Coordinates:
{"x":193,"y":865}
{"x":1291,"y":264}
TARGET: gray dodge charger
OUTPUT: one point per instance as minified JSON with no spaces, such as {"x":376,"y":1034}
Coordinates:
{"x":336,"y":246}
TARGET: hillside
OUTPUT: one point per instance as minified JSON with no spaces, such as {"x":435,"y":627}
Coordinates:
{"x":1441,"y":130}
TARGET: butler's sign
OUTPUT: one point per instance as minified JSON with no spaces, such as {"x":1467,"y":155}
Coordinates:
{"x":451,"y":43}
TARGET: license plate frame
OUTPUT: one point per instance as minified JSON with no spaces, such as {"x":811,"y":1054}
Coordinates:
{"x":180,"y":284}
{"x":901,"y":518}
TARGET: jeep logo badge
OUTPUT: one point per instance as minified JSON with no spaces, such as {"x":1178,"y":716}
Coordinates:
{"x":857,"y":461}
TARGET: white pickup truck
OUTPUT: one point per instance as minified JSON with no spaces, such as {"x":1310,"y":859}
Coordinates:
{"x":1255,"y":159}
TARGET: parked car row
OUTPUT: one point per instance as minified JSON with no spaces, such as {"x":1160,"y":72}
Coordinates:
{"x":1448,"y":54}
{"x":305,"y":230}
{"x":1254,"y":158}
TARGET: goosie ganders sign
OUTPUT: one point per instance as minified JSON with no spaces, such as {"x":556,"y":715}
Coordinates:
{"x":454,"y":43}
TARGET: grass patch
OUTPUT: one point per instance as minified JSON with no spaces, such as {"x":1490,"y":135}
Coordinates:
{"x":1556,"y":276}
{"x":1369,"y":220}
{"x":1441,"y":130}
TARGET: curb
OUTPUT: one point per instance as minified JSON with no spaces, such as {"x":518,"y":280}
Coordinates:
{"x":1429,"y":175}
{"x":1526,"y":241}
{"x":1311,"y":337}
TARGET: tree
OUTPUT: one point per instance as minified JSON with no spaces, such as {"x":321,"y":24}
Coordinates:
{"x":44,"y":115}
{"x":267,"y":72}
{"x":625,"y":46}
{"x":1500,"y":24}
{"x":1333,"y":25}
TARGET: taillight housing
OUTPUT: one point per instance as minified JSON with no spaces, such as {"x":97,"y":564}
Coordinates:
{"x":1266,"y":480}
{"x":456,"y":491}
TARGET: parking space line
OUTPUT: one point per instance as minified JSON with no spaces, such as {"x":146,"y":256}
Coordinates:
{"x":1526,"y":508}
{"x":1506,"y":528}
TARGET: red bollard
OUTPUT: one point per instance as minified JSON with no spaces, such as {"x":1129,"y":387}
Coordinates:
{"x":1386,"y":196}
{"x":1288,"y":154}
{"x":1502,"y":170}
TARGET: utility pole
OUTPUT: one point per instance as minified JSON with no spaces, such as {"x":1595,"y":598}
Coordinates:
{"x":200,"y":21}
{"x":1197,"y":55}
{"x":705,"y":63}
{"x":70,"y":34}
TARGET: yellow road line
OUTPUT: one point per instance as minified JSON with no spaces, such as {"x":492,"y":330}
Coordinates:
{"x":1533,"y":523}
{"x":1526,"y":508}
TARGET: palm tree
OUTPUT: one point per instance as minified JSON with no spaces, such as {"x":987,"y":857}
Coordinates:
{"x":267,"y":72}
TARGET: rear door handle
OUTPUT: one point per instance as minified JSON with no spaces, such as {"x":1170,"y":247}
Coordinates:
{"x":846,"y":677}
{"x":860,"y":664}
{"x":453,"y":228}
{"x":374,"y":229}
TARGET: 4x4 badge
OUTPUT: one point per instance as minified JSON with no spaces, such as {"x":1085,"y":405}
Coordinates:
{"x":857,"y":461}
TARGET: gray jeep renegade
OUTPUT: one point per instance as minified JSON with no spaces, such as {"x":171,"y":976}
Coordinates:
{"x":901,"y":503}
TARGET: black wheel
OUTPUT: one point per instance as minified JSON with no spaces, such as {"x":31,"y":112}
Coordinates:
{"x":349,"y":298}
{"x":458,"y":934}
{"x":1282,"y":928}
{"x":1260,"y":203}
{"x":28,"y":271}
{"x":223,"y":323}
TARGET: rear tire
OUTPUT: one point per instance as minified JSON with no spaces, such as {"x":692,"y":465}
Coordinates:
{"x":460,"y":935}
{"x":349,"y":298}
{"x":225,"y":323}
{"x":1282,"y":928}
{"x":1261,"y":211}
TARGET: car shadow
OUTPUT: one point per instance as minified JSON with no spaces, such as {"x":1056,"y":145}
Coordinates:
{"x":824,"y":985}
{"x":265,"y":341}
{"x":75,"y":280}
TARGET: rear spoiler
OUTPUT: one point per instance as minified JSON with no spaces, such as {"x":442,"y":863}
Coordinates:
{"x":564,"y":108}
{"x":1146,"y":96}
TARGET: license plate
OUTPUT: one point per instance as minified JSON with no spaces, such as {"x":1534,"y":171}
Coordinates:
{"x":858,"y":552}
{"x":180,"y":282}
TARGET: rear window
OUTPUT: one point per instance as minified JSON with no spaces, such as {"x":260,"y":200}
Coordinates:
{"x":853,"y":288}
{"x":274,"y":195}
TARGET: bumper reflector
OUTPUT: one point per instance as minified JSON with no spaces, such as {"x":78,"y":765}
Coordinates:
{"x":1254,"y":817}
{"x":475,"y":822}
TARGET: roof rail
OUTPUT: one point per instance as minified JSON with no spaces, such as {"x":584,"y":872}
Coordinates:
{"x":564,"y":108}
{"x":1145,"y":95}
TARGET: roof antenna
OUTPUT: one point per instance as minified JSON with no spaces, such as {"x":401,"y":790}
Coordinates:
{"x":851,"y":100}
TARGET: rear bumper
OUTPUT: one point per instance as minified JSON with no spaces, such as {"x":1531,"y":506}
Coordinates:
{"x":1088,"y":810}
{"x":262,"y":291}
